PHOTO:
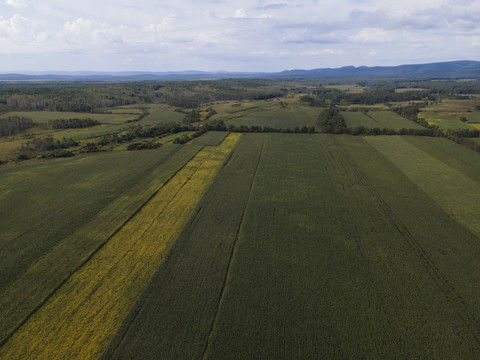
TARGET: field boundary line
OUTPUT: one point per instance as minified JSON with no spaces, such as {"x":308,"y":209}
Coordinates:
{"x":237,"y":235}
{"x":97,"y":249}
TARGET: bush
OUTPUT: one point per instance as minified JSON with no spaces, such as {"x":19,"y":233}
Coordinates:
{"x":57,"y":153}
{"x":144,"y":145}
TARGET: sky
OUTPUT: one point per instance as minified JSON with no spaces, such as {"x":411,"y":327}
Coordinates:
{"x":231,"y":35}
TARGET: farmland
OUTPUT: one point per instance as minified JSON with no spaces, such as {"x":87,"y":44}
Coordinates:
{"x":282,"y":118}
{"x":253,"y":241}
{"x":377,"y":119}
{"x":120,"y":265}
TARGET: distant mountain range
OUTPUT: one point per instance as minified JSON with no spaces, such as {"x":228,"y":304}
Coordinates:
{"x":464,"y":69}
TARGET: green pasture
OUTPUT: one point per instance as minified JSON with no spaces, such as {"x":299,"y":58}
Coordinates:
{"x":444,"y":123}
{"x":355,"y":119}
{"x":43,"y":117}
{"x":161,"y":114}
{"x":281,"y":118}
{"x":391,"y":120}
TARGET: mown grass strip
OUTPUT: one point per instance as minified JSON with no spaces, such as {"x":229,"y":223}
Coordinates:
{"x":79,"y":320}
{"x":174,"y":316}
{"x":455,"y":192}
{"x":452,"y":154}
{"x":39,"y":281}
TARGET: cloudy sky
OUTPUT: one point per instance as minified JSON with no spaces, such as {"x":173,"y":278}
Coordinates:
{"x":233,"y":35}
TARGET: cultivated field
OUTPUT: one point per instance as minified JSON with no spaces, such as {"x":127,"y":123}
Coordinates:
{"x":98,"y":295}
{"x":377,"y":119}
{"x":355,"y":119}
{"x":281,"y":118}
{"x":246,"y":246}
{"x":391,"y":120}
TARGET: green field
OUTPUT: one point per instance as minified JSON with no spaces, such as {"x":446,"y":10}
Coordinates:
{"x":246,"y":246}
{"x":82,"y":203}
{"x":162,"y":114}
{"x":445,"y":122}
{"x":174,"y":317}
{"x":43,"y":117}
{"x":355,"y":119}
{"x":377,"y":119}
{"x":211,"y":138}
{"x":282,"y":118}
{"x":391,"y":120}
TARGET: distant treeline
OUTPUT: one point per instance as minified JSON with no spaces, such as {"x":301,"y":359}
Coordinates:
{"x":72,"y":123}
{"x":93,"y":97}
{"x":13,"y":124}
{"x":323,"y":96}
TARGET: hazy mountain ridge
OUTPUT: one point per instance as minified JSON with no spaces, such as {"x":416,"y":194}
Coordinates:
{"x":440,"y":70}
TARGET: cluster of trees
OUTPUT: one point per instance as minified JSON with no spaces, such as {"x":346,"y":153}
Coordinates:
{"x":13,"y":124}
{"x":49,"y":143}
{"x":144,"y":145}
{"x":72,"y":123}
{"x":46,"y":148}
{"x":331,"y":121}
{"x":192,"y":116}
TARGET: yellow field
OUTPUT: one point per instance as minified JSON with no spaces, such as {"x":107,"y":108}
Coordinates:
{"x":79,"y":320}
{"x":476,"y":126}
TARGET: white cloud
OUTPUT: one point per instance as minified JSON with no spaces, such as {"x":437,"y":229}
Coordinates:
{"x":238,"y":34}
{"x":16,"y":3}
{"x":240,"y":14}
{"x":19,"y":30}
{"x":369,"y":35}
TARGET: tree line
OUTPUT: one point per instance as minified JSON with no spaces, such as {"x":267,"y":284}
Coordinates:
{"x":13,"y":124}
{"x":72,"y":123}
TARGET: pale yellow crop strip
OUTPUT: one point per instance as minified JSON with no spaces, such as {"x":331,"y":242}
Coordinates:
{"x":81,"y":318}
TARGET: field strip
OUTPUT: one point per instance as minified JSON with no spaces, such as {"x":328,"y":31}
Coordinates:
{"x":174,"y":316}
{"x":437,"y":275}
{"x":79,"y":320}
{"x":455,"y":192}
{"x":458,"y":157}
{"x":31,"y":289}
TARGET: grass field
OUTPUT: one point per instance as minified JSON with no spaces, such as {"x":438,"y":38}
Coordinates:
{"x":355,"y":119}
{"x":211,"y":138}
{"x":162,"y":114}
{"x":377,"y":119}
{"x":452,"y":190}
{"x":445,"y":123}
{"x":281,"y":118}
{"x":391,"y":120}
{"x":43,"y":117}
{"x":96,"y":298}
